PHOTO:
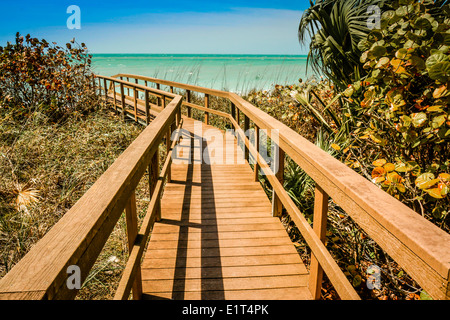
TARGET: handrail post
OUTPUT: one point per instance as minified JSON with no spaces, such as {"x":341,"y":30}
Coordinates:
{"x":132,"y":230}
{"x":163,"y":101}
{"x":168,"y":145}
{"x":246,"y":131}
{"x":113,"y":88}
{"x":128,"y":88}
{"x":256,"y":167}
{"x":153,"y":179}
{"x":93,"y":83}
{"x":106,"y":90}
{"x":178,"y":117}
{"x":171,"y":89}
{"x":188,"y":99}
{"x":135,"y":105}
{"x":278,"y":156}
{"x":122,"y":97}
{"x":206,"y":106}
{"x":236,"y":117}
{"x":147,"y":107}
{"x":320,"y":228}
{"x":158,"y":86}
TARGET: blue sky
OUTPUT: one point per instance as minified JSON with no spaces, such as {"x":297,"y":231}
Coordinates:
{"x":163,"y":26}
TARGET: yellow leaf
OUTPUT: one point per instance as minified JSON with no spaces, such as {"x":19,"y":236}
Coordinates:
{"x":427,"y":184}
{"x":379,"y":162}
{"x":389,"y":167}
{"x":394,"y":177}
{"x":378,"y":174}
{"x":401,"y":187}
{"x":435,"y":193}
{"x":422,"y":181}
{"x":336,"y":147}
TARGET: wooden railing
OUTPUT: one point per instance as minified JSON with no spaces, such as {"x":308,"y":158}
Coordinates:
{"x":420,"y":248}
{"x":79,"y":236}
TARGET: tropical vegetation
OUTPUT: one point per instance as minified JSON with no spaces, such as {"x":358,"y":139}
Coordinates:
{"x":382,"y":109}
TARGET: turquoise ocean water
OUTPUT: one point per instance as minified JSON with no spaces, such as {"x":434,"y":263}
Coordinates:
{"x":236,"y":73}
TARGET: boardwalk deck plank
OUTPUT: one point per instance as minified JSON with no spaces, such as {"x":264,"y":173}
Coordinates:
{"x":217,"y":238}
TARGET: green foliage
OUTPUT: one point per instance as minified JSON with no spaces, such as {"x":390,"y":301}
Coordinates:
{"x":335,"y":28}
{"x":38,"y":76}
{"x":403,"y":104}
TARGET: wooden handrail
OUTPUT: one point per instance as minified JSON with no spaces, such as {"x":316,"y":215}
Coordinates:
{"x":420,"y":247}
{"x":212,"y":92}
{"x":131,"y":268}
{"x":78,"y":237}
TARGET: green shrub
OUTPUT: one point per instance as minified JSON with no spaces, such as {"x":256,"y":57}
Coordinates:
{"x":38,"y":76}
{"x":402,"y":105}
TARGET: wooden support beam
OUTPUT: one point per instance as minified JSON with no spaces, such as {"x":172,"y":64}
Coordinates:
{"x":206,"y":106}
{"x":320,"y":228}
{"x":256,"y":168}
{"x":132,"y":230}
{"x":158,"y":86}
{"x":246,"y":130}
{"x":278,"y":158}
{"x":106,"y":90}
{"x":147,"y":107}
{"x":188,"y":99}
{"x":168,"y":146}
{"x":122,"y":98}
{"x":135,"y":105}
{"x":153,"y":179}
{"x":113,"y":87}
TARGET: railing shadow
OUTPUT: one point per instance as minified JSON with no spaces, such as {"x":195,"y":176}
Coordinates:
{"x":212,"y":286}
{"x":211,"y":280}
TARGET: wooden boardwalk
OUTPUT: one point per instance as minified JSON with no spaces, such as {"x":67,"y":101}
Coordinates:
{"x":217,"y":238}
{"x":208,"y":232}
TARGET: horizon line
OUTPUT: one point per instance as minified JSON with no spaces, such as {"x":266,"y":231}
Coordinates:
{"x":248,"y":54}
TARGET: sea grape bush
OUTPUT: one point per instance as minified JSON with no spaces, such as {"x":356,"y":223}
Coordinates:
{"x":38,"y":76}
{"x":402,"y":105}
